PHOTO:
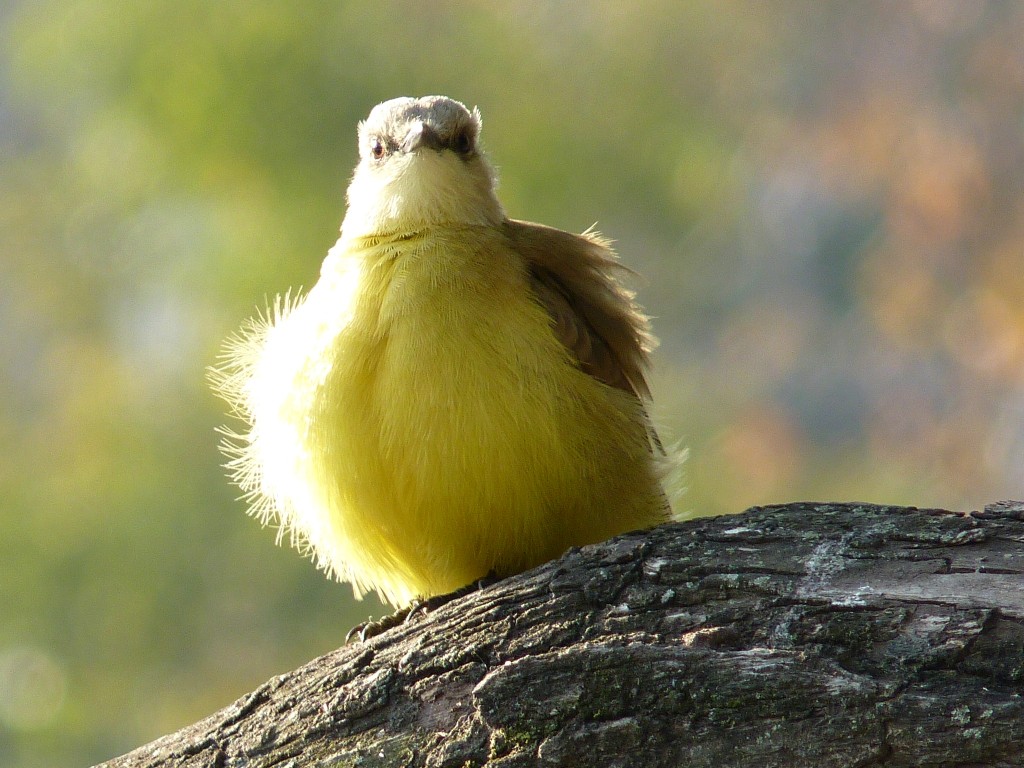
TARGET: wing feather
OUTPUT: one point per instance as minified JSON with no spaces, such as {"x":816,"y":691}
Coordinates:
{"x":592,"y":314}
{"x":573,"y":277}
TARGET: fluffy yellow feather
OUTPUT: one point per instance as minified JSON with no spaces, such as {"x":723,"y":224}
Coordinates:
{"x":459,"y":394}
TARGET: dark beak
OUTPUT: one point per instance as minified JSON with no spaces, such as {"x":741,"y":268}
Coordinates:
{"x":421,"y":135}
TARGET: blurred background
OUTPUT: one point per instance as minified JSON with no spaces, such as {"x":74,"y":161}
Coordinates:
{"x":825,"y":199}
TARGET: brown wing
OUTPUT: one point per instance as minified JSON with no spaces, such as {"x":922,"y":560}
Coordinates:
{"x":592,"y":314}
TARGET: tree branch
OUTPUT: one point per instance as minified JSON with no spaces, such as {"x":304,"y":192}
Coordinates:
{"x":794,"y":635}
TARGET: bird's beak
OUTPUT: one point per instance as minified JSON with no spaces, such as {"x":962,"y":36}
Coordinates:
{"x":421,"y":135}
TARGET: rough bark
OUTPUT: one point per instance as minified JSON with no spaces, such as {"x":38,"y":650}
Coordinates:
{"x":795,"y":635}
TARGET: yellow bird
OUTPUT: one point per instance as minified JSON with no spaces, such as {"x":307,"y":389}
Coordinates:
{"x":460,"y":394}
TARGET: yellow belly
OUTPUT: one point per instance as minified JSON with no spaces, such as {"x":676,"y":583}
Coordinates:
{"x":444,"y":432}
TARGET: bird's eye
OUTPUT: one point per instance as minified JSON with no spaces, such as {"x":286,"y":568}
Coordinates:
{"x":462,"y":143}
{"x":377,"y":148}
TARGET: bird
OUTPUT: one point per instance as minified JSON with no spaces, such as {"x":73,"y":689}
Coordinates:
{"x":460,"y":394}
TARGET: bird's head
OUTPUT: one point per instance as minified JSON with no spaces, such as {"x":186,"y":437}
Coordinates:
{"x":420,"y":165}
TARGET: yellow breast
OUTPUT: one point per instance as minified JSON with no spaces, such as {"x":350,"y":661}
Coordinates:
{"x":417,"y":423}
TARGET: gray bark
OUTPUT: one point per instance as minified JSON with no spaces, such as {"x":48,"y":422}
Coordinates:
{"x":795,"y":635}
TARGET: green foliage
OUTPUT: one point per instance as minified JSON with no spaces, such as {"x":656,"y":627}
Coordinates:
{"x":820,"y":197}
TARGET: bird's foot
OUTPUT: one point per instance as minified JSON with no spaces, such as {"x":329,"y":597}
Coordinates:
{"x":373,"y":627}
{"x":364,"y":630}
